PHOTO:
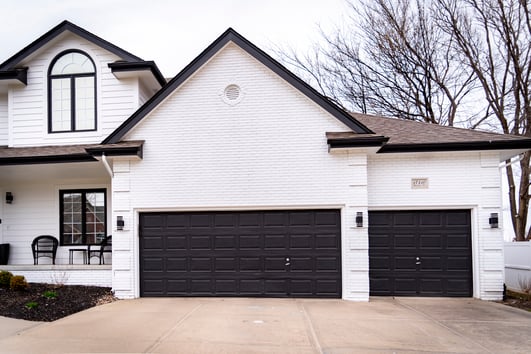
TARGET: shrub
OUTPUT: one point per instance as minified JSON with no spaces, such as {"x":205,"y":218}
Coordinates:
{"x":31,"y":305}
{"x":19,"y":283}
{"x":50,"y":294}
{"x":5,"y":278}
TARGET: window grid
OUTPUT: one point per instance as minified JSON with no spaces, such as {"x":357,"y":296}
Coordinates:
{"x":72,"y":93}
{"x":83,"y":217}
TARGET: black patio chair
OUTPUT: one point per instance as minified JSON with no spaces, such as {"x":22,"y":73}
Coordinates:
{"x":44,"y":246}
{"x":99,"y":250}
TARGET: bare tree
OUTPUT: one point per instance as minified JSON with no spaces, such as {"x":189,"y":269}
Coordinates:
{"x":493,"y":38}
{"x":393,"y":60}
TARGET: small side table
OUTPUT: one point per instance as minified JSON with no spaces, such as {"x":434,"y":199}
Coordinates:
{"x":71,"y":255}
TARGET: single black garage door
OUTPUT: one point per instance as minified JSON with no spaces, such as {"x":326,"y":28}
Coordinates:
{"x":255,"y":253}
{"x":420,"y":253}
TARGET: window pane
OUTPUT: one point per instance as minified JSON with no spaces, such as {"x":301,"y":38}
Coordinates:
{"x":72,"y":63}
{"x":72,"y":226}
{"x":85,"y":107}
{"x":95,"y":214}
{"x":61,"y":105}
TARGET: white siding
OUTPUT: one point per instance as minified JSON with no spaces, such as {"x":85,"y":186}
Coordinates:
{"x":267,"y":152}
{"x":4,"y":126}
{"x":35,"y":211}
{"x":456,"y":180}
{"x":116,"y":99}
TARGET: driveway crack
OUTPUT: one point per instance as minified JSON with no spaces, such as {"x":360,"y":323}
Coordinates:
{"x":314,"y":340}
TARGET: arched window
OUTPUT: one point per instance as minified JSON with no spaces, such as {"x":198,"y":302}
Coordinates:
{"x":71,"y":93}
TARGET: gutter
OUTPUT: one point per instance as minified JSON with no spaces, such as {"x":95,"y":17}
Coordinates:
{"x":106,"y":164}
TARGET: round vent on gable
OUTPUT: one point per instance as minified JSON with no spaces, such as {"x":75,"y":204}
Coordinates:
{"x":232,"y":93}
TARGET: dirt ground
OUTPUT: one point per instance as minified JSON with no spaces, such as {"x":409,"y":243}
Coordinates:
{"x":47,"y":302}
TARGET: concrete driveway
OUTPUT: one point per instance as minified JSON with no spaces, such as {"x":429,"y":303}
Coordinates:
{"x":242,"y":325}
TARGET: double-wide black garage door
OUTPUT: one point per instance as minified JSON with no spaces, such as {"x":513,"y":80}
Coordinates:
{"x":256,"y":253}
{"x":420,"y":253}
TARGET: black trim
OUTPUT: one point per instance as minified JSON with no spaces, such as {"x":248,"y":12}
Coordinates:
{"x":34,"y":160}
{"x":228,"y":36}
{"x":57,"y":30}
{"x":122,"y":66}
{"x":362,"y":141}
{"x":72,"y":78}
{"x":461,"y":146}
{"x":116,"y":151}
{"x":20,"y":74}
{"x":83,"y":192}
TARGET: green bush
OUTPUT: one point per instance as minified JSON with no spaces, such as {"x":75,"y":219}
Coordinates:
{"x":50,"y":294}
{"x":19,"y":283}
{"x":5,"y":278}
{"x":31,"y":305}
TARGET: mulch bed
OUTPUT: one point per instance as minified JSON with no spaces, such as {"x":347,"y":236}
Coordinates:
{"x":519,"y":300}
{"x":33,"y":304}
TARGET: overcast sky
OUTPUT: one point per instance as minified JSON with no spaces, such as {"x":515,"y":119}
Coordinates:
{"x":170,"y":32}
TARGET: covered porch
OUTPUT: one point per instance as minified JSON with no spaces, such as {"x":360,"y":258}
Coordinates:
{"x":64,"y":192}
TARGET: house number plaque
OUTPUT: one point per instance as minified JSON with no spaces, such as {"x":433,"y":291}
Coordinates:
{"x":419,"y":183}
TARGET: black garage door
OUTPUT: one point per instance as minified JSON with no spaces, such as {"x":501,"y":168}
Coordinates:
{"x":257,"y":253}
{"x":420,"y":253}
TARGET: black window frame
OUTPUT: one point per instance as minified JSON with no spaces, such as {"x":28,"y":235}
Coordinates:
{"x":72,"y":78}
{"x":84,"y":192}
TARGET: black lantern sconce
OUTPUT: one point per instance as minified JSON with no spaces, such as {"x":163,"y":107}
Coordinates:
{"x":9,"y":197}
{"x":120,"y":223}
{"x":359,"y":219}
{"x":493,"y":220}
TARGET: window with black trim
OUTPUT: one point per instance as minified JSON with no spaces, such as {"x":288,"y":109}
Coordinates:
{"x":71,"y":93}
{"x":83,"y":216}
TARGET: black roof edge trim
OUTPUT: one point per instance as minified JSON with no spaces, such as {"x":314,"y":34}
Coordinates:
{"x":461,"y":146}
{"x":150,"y":65}
{"x":368,"y":141}
{"x":61,"y":27}
{"x":33,"y":160}
{"x":117,"y":151}
{"x":20,"y":74}
{"x":207,"y":54}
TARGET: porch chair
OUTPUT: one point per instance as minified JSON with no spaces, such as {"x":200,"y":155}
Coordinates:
{"x":99,"y":250}
{"x":44,"y":246}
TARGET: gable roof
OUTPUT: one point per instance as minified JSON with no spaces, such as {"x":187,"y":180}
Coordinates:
{"x":231,"y":35}
{"x":412,"y":136}
{"x":10,"y":65}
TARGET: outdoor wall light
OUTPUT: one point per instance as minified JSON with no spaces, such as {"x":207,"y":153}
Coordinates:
{"x":9,"y":197}
{"x":493,"y":220}
{"x":120,"y":223}
{"x":359,"y":219}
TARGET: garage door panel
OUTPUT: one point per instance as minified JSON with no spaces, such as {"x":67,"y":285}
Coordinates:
{"x":175,"y":243}
{"x":176,"y":264}
{"x":153,"y":242}
{"x":243,"y":254}
{"x":440,"y":239}
{"x":200,"y":242}
{"x":404,"y":241}
{"x":200,"y":264}
{"x":225,"y":242}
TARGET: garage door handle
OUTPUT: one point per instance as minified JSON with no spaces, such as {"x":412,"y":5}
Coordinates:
{"x":288,"y":263}
{"x":418,"y":261}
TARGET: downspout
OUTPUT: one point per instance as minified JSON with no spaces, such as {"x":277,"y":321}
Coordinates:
{"x":106,"y":164}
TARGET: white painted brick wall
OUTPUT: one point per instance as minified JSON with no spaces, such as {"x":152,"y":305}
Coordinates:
{"x":267,"y":152}
{"x":468,"y":180}
{"x":65,"y":274}
{"x":3,"y":120}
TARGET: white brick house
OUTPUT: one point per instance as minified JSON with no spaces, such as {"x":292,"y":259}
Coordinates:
{"x":236,"y":179}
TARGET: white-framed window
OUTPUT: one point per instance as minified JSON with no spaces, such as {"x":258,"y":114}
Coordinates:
{"x":72,"y":93}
